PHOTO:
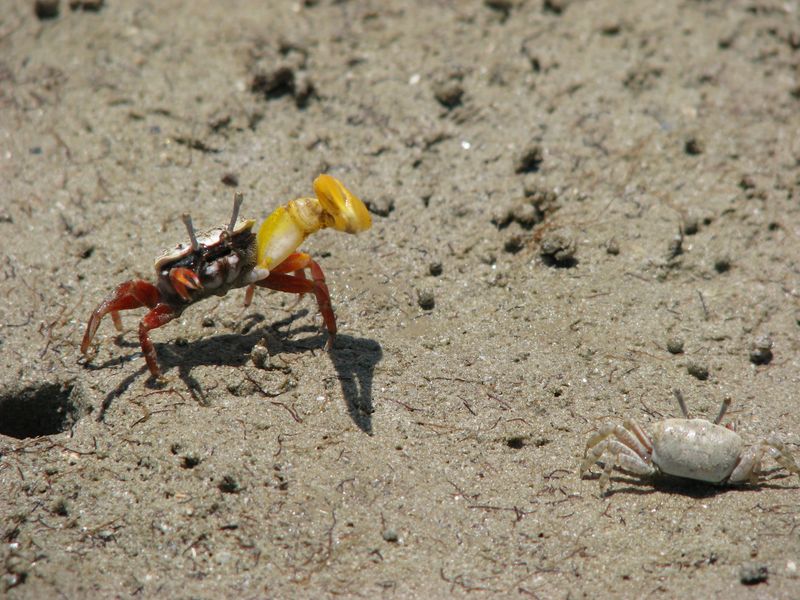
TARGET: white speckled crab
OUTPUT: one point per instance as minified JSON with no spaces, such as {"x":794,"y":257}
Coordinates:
{"x":690,"y":448}
{"x":225,"y":258}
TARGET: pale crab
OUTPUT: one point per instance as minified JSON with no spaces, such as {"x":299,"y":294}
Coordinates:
{"x":688,"y":448}
{"x":225,"y":258}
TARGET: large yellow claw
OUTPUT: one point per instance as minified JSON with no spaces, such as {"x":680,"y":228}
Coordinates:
{"x":347,"y":212}
{"x":286,"y":228}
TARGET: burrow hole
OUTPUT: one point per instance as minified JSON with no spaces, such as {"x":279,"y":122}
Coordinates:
{"x":37,"y":410}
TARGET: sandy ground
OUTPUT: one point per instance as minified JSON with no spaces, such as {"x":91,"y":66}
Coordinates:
{"x":578,"y":207}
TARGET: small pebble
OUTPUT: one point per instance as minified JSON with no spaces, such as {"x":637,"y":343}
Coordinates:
{"x":722,"y":264}
{"x":752,"y":574}
{"x":761,"y":350}
{"x":229,"y":485}
{"x":526,"y":214}
{"x":60,"y":507}
{"x":46,"y":9}
{"x":105,"y":535}
{"x":747,"y":182}
{"x":390,"y":535}
{"x":381,"y":205}
{"x":88,"y":5}
{"x":230,"y":179}
{"x":275,"y":83}
{"x":207,"y":321}
{"x":675,"y":246}
{"x":425,"y":299}
{"x":449,"y":94}
{"x":697,"y":370}
{"x":502,"y":6}
{"x":529,"y":159}
{"x":612,"y":247}
{"x":693,"y":146}
{"x":435,"y":268}
{"x":260,"y":356}
{"x":303,"y":89}
{"x":675,"y":346}
{"x":559,"y":247}
{"x":514,"y":244}
{"x":691,"y":225}
{"x":555,"y":6}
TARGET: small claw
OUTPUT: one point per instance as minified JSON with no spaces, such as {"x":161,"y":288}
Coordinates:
{"x":183,"y":280}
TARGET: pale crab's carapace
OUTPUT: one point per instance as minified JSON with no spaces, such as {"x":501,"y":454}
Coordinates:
{"x":225,"y":258}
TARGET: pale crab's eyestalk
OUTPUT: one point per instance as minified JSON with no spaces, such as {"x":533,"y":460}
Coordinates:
{"x":682,"y":403}
{"x":238,"y":198}
{"x":286,"y":228}
{"x":726,"y":403}
{"x":187,"y":220}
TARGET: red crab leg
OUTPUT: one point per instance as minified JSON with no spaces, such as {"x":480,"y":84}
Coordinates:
{"x":296,"y":262}
{"x":279,"y":279}
{"x":158,"y":316}
{"x":131,"y":294}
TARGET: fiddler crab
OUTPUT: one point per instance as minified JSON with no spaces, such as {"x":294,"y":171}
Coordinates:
{"x":226,"y":258}
{"x":689,"y":448}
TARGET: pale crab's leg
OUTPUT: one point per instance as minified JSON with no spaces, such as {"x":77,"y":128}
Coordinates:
{"x":128,"y":295}
{"x":284,"y":282}
{"x":781,"y":454}
{"x":624,"y":435}
{"x":621,"y":456}
{"x":289,"y":225}
{"x":158,"y":316}
{"x":647,"y":445}
{"x":749,"y":467}
{"x":598,"y":443}
{"x":598,"y":437}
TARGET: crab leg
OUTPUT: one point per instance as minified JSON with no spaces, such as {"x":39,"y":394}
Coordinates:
{"x":158,"y":316}
{"x":749,"y":466}
{"x":131,"y":294}
{"x":280,"y":279}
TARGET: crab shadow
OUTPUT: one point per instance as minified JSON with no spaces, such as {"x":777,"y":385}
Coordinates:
{"x":353,"y":358}
{"x":699,"y":490}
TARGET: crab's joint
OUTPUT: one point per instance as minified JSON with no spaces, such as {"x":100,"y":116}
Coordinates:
{"x":286,"y":228}
{"x":187,"y":220}
{"x":257,"y":274}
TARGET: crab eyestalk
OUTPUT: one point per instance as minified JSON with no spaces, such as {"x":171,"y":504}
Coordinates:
{"x":187,"y":220}
{"x":286,"y":228}
{"x":238,"y":198}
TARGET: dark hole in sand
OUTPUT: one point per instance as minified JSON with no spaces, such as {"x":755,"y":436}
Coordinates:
{"x":38,"y":410}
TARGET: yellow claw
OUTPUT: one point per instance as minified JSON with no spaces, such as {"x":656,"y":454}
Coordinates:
{"x":286,"y":228}
{"x":348,"y":212}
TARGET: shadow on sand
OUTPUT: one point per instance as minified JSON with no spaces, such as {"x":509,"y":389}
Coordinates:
{"x":353,"y":358}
